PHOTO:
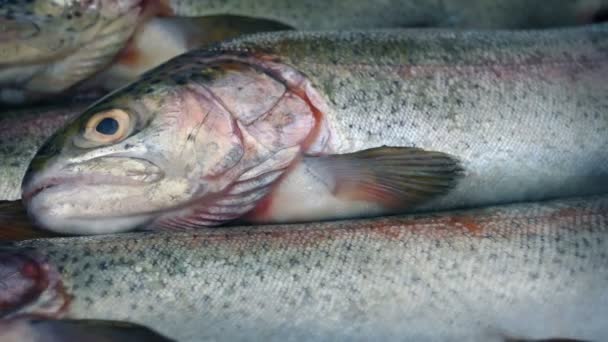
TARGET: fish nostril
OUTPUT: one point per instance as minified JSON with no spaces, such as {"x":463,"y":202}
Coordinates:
{"x":22,"y":280}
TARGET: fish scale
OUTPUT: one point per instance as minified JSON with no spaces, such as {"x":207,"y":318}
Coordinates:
{"x":531,"y":271}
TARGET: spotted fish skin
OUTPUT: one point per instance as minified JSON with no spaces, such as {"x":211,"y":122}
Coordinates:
{"x":352,"y":14}
{"x":525,"y":271}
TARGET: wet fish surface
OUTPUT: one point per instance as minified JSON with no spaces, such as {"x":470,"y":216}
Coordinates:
{"x":303,"y":126}
{"x":517,"y":272}
{"x":48,"y":47}
{"x":356,"y":14}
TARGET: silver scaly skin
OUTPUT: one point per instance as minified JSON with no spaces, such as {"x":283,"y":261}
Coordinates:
{"x":360,"y":14}
{"x":304,"y":126}
{"x":524,"y":271}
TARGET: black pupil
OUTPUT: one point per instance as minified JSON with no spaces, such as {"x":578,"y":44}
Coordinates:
{"x":107,"y":126}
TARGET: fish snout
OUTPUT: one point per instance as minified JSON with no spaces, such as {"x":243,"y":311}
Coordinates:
{"x":22,"y":280}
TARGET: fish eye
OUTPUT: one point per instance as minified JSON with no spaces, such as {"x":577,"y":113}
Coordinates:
{"x":108,"y":126}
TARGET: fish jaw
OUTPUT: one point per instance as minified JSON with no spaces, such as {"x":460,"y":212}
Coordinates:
{"x":77,"y":199}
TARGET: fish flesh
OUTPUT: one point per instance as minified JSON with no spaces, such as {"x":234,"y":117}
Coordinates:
{"x":38,"y":330}
{"x":358,"y":14}
{"x":305,"y":126}
{"x":49,"y":47}
{"x":523,"y":271}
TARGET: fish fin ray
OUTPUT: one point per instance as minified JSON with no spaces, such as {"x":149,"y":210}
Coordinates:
{"x":397,"y":177}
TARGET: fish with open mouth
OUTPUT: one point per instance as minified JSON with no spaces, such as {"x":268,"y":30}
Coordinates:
{"x":529,"y":271}
{"x":301,"y":126}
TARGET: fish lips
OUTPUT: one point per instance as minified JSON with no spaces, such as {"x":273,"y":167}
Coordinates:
{"x":41,"y":191}
{"x":140,"y":171}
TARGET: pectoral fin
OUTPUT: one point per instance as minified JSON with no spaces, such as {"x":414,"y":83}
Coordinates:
{"x":395,"y":177}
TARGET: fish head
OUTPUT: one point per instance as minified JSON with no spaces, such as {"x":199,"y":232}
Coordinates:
{"x":48,"y":46}
{"x":39,"y":30}
{"x":196,"y":142}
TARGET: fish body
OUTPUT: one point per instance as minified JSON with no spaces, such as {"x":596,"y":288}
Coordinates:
{"x":523,"y":271}
{"x":355,"y":14}
{"x":300,"y":126}
{"x":525,"y":112}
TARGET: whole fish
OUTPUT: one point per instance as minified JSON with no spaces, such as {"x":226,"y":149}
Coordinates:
{"x":516,"y":272}
{"x":357,"y":14}
{"x":37,"y":330}
{"x":301,"y":126}
{"x":48,"y":46}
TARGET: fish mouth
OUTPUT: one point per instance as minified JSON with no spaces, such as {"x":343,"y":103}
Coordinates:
{"x":145,"y":173}
{"x":35,"y":190}
{"x":44,"y":185}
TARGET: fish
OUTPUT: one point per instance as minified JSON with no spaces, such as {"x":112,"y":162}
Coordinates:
{"x":48,"y":46}
{"x":353,"y":14}
{"x":307,"y":126}
{"x":40,"y":330}
{"x":518,"y":272}
{"x":108,"y":43}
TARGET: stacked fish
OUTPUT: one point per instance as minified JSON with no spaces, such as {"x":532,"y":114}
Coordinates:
{"x":374,"y":179}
